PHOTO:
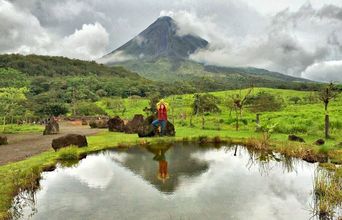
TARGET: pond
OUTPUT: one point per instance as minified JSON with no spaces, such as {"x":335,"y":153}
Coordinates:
{"x":178,"y":181}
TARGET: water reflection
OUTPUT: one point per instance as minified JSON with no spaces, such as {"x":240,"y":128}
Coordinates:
{"x":173,"y":165}
{"x":177,"y":182}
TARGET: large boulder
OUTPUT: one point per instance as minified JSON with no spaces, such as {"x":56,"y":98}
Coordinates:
{"x":3,"y":140}
{"x":133,"y":126}
{"x":99,"y":123}
{"x":52,"y":127}
{"x":68,"y":140}
{"x":293,"y":137}
{"x":116,"y":124}
{"x":148,"y":130}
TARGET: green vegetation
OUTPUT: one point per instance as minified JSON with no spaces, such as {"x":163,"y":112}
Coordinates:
{"x":305,"y":119}
{"x":69,"y":153}
{"x":34,"y":87}
{"x":55,"y":85}
{"x":24,"y":128}
{"x":212,"y":78}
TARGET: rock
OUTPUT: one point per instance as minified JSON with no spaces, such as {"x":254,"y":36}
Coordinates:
{"x":132,"y":126}
{"x":70,"y":139}
{"x":84,"y":121}
{"x":3,"y":140}
{"x":52,"y":127}
{"x":116,"y":124}
{"x":148,"y":130}
{"x":100,"y":123}
{"x":320,"y":142}
{"x":293,"y":137}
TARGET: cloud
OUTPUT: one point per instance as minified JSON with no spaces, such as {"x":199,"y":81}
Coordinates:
{"x":21,"y":32}
{"x":88,"y":42}
{"x":290,"y":43}
{"x":118,"y":56}
{"x":325,"y":71}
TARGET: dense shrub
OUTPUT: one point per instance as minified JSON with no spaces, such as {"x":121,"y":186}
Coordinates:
{"x":265,"y":102}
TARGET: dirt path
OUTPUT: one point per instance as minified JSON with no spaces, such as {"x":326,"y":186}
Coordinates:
{"x":22,"y":146}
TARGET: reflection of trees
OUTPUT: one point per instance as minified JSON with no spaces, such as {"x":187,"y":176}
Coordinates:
{"x":25,"y":200}
{"x":180,"y":160}
{"x":263,"y":160}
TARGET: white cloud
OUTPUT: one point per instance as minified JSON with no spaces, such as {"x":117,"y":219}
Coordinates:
{"x":21,"y":32}
{"x":88,"y":42}
{"x":325,"y":71}
{"x":290,"y":43}
{"x":118,"y":56}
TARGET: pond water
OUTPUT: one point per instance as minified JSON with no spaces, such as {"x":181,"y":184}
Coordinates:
{"x":180,"y":181}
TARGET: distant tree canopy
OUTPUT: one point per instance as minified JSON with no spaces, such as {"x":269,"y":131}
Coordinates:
{"x":264,"y":102}
{"x":12,"y":78}
{"x":205,"y":103}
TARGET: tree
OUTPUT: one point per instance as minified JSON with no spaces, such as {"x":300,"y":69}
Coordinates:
{"x":11,"y":102}
{"x":237,"y":103}
{"x":53,"y":109}
{"x":206,"y":103}
{"x":264,"y":102}
{"x":326,"y":94}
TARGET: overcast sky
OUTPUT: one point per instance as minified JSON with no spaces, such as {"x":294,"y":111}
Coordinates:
{"x":295,"y":37}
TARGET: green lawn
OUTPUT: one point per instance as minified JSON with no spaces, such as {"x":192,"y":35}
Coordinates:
{"x":25,"y":128}
{"x":303,"y":119}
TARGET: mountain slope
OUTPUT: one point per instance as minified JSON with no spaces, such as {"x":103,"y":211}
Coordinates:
{"x":160,"y":54}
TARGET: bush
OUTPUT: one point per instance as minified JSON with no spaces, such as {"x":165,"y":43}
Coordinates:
{"x":68,"y":153}
{"x":265,"y":102}
{"x":88,"y":109}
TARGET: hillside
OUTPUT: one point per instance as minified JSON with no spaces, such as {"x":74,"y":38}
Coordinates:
{"x":213,"y":78}
{"x":160,"y":53}
{"x":56,"y":85}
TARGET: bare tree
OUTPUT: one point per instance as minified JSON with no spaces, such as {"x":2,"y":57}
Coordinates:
{"x":327,"y":94}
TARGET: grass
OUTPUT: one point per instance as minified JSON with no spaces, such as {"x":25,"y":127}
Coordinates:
{"x":25,"y":128}
{"x":303,"y":119}
{"x":328,"y":193}
{"x":68,"y":153}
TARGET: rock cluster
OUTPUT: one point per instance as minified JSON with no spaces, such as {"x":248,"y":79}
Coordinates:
{"x":139,"y":125}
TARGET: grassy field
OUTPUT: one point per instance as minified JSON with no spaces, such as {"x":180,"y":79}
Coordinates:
{"x":26,"y":128}
{"x":305,"y":120}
